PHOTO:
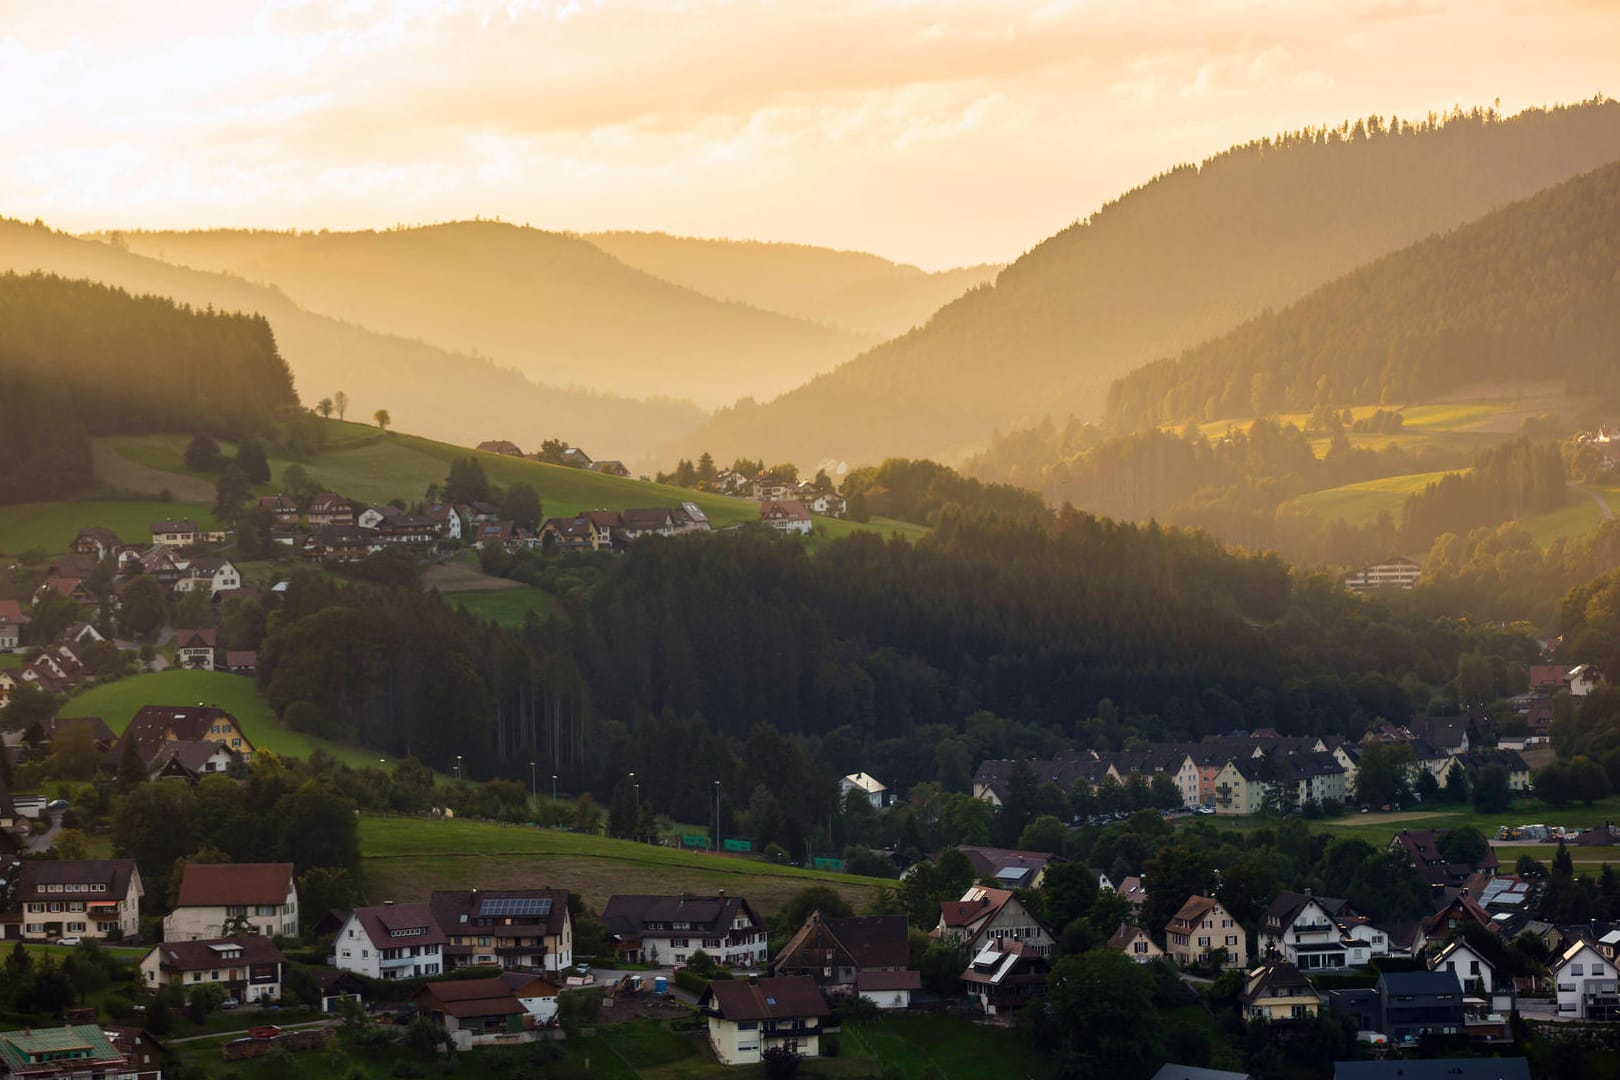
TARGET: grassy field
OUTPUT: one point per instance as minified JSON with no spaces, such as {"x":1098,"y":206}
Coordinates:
{"x":407,"y":858}
{"x":116,"y":703}
{"x":51,"y":527}
{"x":505,"y":607}
{"x":1579,"y":516}
{"x":1360,"y":504}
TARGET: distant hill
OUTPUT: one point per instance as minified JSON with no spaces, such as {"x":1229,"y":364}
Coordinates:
{"x":77,"y":357}
{"x":1190,"y":255}
{"x":1532,"y":288}
{"x":862,"y":293}
{"x":426,"y":389}
{"x":555,"y":307}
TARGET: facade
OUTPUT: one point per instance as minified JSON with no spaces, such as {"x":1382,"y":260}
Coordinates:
{"x":836,"y":952}
{"x":11,"y":624}
{"x":985,"y":915}
{"x":90,"y":898}
{"x":747,"y":1017}
{"x":210,"y":574}
{"x":181,"y":533}
{"x":1135,"y":943}
{"x":249,"y":967}
{"x":866,"y":785}
{"x":1587,"y":984}
{"x":888,"y":989}
{"x":392,"y":941}
{"x":186,"y":723}
{"x":1239,"y":788}
{"x":669,"y":929}
{"x":216,"y":898}
{"x":514,"y":929}
{"x":1200,"y":928}
{"x":785,"y":515}
{"x":476,"y":1012}
{"x":1319,"y":933}
{"x":329,"y":509}
{"x":1276,"y":992}
{"x":194,"y":649}
{"x":1417,"y":1003}
{"x":1393,"y":573}
{"x":1004,"y":976}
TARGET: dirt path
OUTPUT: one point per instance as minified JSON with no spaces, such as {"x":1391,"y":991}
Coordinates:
{"x":1603,"y":504}
{"x":115,"y":470}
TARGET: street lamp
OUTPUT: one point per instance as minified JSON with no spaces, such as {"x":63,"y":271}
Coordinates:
{"x":717,"y":816}
{"x":534,"y":785}
{"x":553,"y":787}
{"x":458,"y":766}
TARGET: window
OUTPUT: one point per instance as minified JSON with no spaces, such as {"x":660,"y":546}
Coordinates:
{"x":1473,"y":967}
{"x":1203,"y":942}
{"x":748,"y":1025}
{"x":1231,"y":939}
{"x":1576,"y":969}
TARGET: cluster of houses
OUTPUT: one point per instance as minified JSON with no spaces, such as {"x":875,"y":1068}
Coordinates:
{"x":172,"y":742}
{"x":1244,"y":773}
{"x":1606,"y":441}
{"x":772,"y":489}
{"x":572,"y":456}
{"x":613,"y":530}
{"x":1546,"y":681}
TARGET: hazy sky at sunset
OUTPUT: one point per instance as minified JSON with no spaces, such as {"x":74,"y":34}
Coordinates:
{"x":934,"y":132}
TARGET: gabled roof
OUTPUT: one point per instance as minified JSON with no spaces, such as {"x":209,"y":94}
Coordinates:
{"x":457,"y":911}
{"x":978,"y":904}
{"x":785,"y":997}
{"x":1194,"y":910}
{"x":194,"y":639}
{"x":11,"y":612}
{"x":217,"y":952}
{"x":873,"y":940}
{"x":189,"y":723}
{"x":627,"y":916}
{"x":221,"y":884}
{"x":1274,"y":978}
{"x":465,"y":998}
{"x":383,"y":922}
{"x":37,"y":874}
{"x":1126,"y":934}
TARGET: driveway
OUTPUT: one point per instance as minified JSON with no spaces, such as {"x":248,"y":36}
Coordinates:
{"x":44,"y":840}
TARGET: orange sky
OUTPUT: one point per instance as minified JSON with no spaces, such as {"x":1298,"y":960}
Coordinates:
{"x":938,"y":132}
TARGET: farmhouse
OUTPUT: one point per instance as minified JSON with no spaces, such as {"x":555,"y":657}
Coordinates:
{"x":669,"y":929}
{"x":283,"y":511}
{"x":749,"y":1016}
{"x":248,"y":967}
{"x":503,"y":447}
{"x":330,"y":509}
{"x":182,"y":723}
{"x":180,"y":533}
{"x":837,"y":952}
{"x":194,"y":649}
{"x":221,"y":898}
{"x":80,"y":897}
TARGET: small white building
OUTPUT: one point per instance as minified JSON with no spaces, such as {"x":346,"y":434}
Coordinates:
{"x":888,"y":989}
{"x":393,"y":941}
{"x":866,"y":784}
{"x":1587,"y":984}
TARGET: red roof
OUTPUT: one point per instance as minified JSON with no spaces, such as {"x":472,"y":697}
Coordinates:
{"x":11,"y":612}
{"x":221,"y":884}
{"x":968,"y":912}
{"x":396,"y":923}
{"x":465,"y":998}
{"x":783,"y":998}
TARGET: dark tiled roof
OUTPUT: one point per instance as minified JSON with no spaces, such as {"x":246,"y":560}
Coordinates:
{"x":38,"y":873}
{"x":465,"y":998}
{"x":782,"y":998}
{"x":627,"y":916}
{"x":874,"y":940}
{"x":202,"y":955}
{"x":380,"y":922}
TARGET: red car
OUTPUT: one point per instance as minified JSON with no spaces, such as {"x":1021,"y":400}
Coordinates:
{"x":264,"y":1031}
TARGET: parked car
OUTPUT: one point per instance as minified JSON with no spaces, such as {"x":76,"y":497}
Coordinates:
{"x":264,"y":1031}
{"x":68,"y":942}
{"x":229,"y":1003}
{"x":57,"y":804}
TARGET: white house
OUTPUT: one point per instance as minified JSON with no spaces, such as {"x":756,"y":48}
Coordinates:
{"x":249,"y":968}
{"x":750,"y":1016}
{"x":92,"y":898}
{"x":393,"y":941}
{"x":1587,"y":984}
{"x":1313,"y":933}
{"x":536,"y":994}
{"x":215,"y":575}
{"x":217,"y":899}
{"x":1470,"y":967}
{"x":785,"y":515}
{"x":1583,"y":679}
{"x":866,"y":785}
{"x":11,"y":622}
{"x":663,"y":930}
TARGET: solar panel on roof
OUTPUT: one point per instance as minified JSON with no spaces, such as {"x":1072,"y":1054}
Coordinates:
{"x":770,"y":1001}
{"x":514,"y":905}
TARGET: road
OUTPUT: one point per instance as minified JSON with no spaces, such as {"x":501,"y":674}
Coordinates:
{"x":44,"y":840}
{"x":268,"y":1019}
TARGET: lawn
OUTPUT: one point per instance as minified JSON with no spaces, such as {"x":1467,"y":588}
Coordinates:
{"x":1577,"y":517}
{"x":505,"y":607}
{"x":1360,"y":504}
{"x":116,"y":702}
{"x":406,"y":858}
{"x":51,"y":527}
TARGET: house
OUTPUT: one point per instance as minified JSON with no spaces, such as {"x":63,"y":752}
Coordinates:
{"x":249,"y":966}
{"x":570,"y":534}
{"x":1319,"y":933}
{"x":330,"y":509}
{"x":180,"y":533}
{"x":785,"y":516}
{"x":499,"y":534}
{"x":98,"y":542}
{"x":1417,"y":1003}
{"x":94,"y":898}
{"x":650,"y":522}
{"x":75,"y":589}
{"x":658,"y":930}
{"x":984,"y":915}
{"x":747,"y":1017}
{"x":1240,"y":787}
{"x":333,"y":987}
{"x":866,"y":785}
{"x":535,"y":993}
{"x":481,"y":513}
{"x":143,"y":1054}
{"x":81,"y":633}
{"x":188,"y":761}
{"x":515,"y":929}
{"x":229,"y":899}
{"x":476,"y":1012}
{"x":1200,"y":928}
{"x":1276,"y":992}
{"x":1396,"y":572}
{"x":1133,"y":891}
{"x":390,"y":941}
{"x":500,"y":446}
{"x":373,"y":517}
{"x":828,"y":504}
{"x":575,"y":458}
{"x":1004,"y":975}
{"x":1587,"y":983}
{"x":608,"y":468}
{"x":1583,"y":679}
{"x":837,"y":952}
{"x":689,"y":518}
{"x":340,"y":543}
{"x":183,"y":723}
{"x":1422,"y":848}
{"x":242,"y":661}
{"x":1451,"y":916}
{"x":1010,"y":868}
{"x":1135,"y":943}
{"x":1480,"y":1068}
{"x":888,"y":989}
{"x":12,"y":620}
{"x":283,"y":511}
{"x":1476,"y":974}
{"x":215,"y":575}
{"x":446,"y":517}
{"x":1472,"y":761}
{"x":70,"y":1052}
{"x":194,"y":649}
{"x":39,"y":735}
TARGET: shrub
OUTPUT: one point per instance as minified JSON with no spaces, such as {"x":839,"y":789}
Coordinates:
{"x":691,"y":981}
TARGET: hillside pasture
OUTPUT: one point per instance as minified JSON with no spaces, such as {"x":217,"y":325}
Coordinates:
{"x":1360,"y":504}
{"x":50,"y":527}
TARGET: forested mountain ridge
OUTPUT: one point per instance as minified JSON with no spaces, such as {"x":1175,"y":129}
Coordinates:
{"x":863,"y":293}
{"x":553,"y":306}
{"x":427,"y":390}
{"x":78,"y":358}
{"x":1533,"y":287}
{"x":1189,"y":255}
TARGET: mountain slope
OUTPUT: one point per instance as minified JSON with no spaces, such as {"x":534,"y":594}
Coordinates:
{"x":425,"y":389}
{"x":1189,"y":255}
{"x":1534,"y":287}
{"x":865,"y":294}
{"x":555,"y":307}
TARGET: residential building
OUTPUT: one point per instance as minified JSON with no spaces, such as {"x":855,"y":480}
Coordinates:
{"x":984,"y":915}
{"x":249,"y":967}
{"x":242,"y":661}
{"x":657,"y":521}
{"x":1396,"y":572}
{"x":212,"y":574}
{"x":1200,"y":928}
{"x":1133,"y":892}
{"x":330,"y":509}
{"x":535,"y":993}
{"x":98,"y":542}
{"x":1135,"y":943}
{"x":283,"y":511}
{"x":1240,"y":787}
{"x":786,"y":515}
{"x":194,"y":649}
{"x":1480,"y":1068}
{"x":867,"y":785}
{"x":446,"y":517}
{"x":516,"y":929}
{"x":341,"y":543}
{"x":1004,"y":976}
{"x":608,"y":468}
{"x":1587,"y":983}
{"x":71,"y":1052}
{"x":503,"y":447}
{"x":1276,"y":992}
{"x":828,"y":504}
{"x":1474,"y":760}
{"x":176,"y":533}
{"x":228,"y":899}
{"x":11,"y":624}
{"x":837,"y":952}
{"x":747,"y":1017}
{"x":143,"y":1054}
{"x":39,"y":736}
{"x":87,"y":898}
{"x":1422,"y":847}
{"x":1316,"y":933}
{"x":888,"y":989}
{"x":660,"y":930}
{"x":1451,"y":916}
{"x":1008,"y":867}
{"x":1417,"y":1003}
{"x":476,"y":1012}
{"x":688,"y":518}
{"x":575,"y":458}
{"x":189,"y":723}
{"x":390,"y":941}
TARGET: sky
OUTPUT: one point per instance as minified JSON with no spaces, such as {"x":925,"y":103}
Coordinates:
{"x":937,"y":132}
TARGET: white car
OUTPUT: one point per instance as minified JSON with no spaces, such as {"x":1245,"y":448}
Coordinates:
{"x":67,"y":942}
